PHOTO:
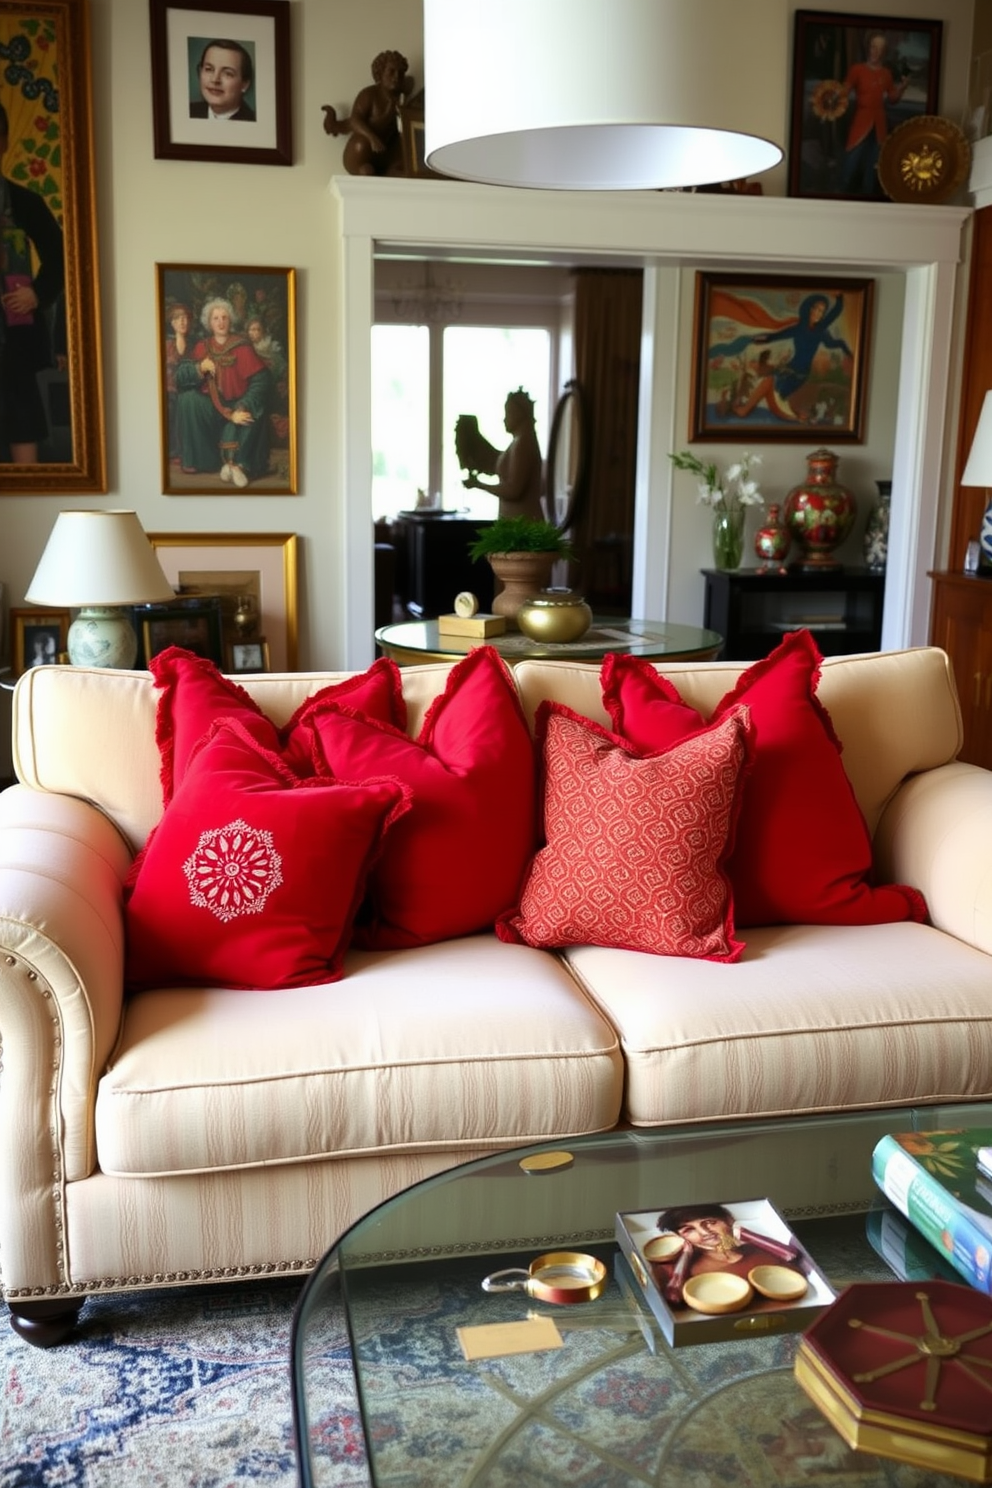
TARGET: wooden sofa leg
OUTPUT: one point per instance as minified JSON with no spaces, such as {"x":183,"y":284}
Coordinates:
{"x":45,"y":1323}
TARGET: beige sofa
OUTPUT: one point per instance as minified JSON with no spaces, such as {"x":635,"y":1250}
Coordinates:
{"x":196,"y":1134}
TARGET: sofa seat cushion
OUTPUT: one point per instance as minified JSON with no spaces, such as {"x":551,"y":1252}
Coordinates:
{"x":463,"y":1044}
{"x":812,"y":1018}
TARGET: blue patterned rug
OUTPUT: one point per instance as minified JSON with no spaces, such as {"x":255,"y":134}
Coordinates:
{"x":190,"y":1387}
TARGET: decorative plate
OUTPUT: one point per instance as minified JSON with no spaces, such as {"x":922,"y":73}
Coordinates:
{"x":924,"y":160}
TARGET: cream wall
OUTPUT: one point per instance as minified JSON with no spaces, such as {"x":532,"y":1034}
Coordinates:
{"x":153,"y":211}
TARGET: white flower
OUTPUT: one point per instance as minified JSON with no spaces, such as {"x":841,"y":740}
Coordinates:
{"x":735,"y":489}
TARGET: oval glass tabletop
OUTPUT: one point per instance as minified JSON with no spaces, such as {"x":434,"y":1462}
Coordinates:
{"x":411,"y":641}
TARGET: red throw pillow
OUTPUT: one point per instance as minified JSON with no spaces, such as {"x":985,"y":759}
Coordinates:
{"x":252,"y":878}
{"x":803,"y":851}
{"x":195,"y":694}
{"x":457,"y":860}
{"x":634,"y":844}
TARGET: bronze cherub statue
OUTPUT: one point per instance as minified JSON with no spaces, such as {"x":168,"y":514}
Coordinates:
{"x":375,"y":147}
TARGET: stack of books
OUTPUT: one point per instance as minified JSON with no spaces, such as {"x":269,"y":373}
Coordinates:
{"x":942,"y":1182}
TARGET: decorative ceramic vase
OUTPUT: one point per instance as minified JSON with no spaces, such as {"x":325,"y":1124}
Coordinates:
{"x":985,"y":538}
{"x":876,"y":538}
{"x":554,"y":615}
{"x":819,"y":512}
{"x":728,"y":538}
{"x":772,"y":542}
{"x":522,"y":575}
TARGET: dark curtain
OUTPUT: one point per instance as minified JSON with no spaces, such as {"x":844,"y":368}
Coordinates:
{"x":607,"y":366}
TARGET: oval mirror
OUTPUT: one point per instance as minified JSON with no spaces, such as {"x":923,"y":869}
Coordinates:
{"x":568,"y":458}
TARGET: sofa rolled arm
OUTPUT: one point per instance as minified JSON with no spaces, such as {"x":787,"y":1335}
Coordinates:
{"x":62,"y":869}
{"x":935,"y":834}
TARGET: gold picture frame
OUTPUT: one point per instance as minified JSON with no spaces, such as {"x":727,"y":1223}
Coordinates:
{"x":48,"y":100}
{"x":262,"y":565}
{"x":207,"y":373}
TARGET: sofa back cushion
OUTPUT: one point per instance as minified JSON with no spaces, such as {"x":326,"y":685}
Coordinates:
{"x":90,"y":733}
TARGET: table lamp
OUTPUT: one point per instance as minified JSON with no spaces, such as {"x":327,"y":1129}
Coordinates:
{"x":978,"y":472}
{"x":96,"y":562}
{"x":603,"y":95}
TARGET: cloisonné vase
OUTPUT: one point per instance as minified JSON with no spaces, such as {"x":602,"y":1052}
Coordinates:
{"x":819,"y":512}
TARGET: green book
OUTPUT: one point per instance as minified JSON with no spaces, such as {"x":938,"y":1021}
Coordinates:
{"x":933,"y":1178}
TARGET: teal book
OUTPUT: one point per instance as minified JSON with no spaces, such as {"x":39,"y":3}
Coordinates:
{"x":933,"y":1179}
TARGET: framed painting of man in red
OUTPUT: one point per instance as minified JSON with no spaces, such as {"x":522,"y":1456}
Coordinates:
{"x":855,"y":79}
{"x":227,"y":373}
{"x":780,"y":358}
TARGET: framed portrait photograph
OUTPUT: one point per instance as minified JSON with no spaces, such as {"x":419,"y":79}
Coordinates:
{"x":227,"y":378}
{"x":221,"y":81}
{"x":52,"y":434}
{"x":249,"y":656}
{"x":254,"y":574}
{"x":779,"y":358}
{"x":855,"y":78}
{"x":195,"y":624}
{"x":38,"y":638}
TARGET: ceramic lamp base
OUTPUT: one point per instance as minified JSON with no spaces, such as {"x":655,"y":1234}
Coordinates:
{"x":101,"y":636}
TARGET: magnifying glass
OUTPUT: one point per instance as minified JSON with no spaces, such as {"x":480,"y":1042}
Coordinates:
{"x":559,"y":1276}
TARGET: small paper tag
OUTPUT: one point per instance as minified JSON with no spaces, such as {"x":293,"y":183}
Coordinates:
{"x":490,"y":1340}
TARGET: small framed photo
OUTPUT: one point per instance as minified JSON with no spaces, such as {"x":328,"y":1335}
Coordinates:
{"x":38,"y":638}
{"x":227,"y":380}
{"x":779,"y":358}
{"x":221,"y":81}
{"x":249,"y":656}
{"x":855,"y":79}
{"x":194,"y":624}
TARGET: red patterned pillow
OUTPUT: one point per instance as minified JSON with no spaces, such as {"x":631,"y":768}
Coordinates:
{"x":457,"y":860}
{"x":195,"y":694}
{"x":803,"y":853}
{"x":252,"y":878}
{"x":634,"y":845}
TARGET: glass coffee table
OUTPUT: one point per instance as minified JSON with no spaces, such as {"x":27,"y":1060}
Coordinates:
{"x":614,"y":1404}
{"x":411,"y":641}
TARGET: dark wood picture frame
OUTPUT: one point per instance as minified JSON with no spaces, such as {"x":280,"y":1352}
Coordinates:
{"x":30,"y":624}
{"x":249,"y":656}
{"x":262,"y":130}
{"x":194,"y":624}
{"x":262,"y":379}
{"x":778,"y":358}
{"x":833,"y":145}
{"x":46,"y":90}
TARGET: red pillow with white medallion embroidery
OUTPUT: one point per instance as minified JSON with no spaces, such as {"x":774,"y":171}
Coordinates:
{"x":194,"y":695}
{"x":803,"y":853}
{"x":634,"y":845}
{"x":457,"y":860}
{"x":252,"y":878}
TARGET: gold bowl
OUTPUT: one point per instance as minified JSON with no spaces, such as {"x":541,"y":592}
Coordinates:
{"x":554,"y":615}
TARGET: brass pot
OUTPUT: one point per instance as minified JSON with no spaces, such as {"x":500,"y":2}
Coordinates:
{"x":554,"y":615}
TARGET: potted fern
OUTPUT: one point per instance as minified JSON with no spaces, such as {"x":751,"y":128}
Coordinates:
{"x":521,"y":552}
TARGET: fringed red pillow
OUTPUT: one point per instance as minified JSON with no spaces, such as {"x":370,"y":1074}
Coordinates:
{"x":253,"y":876}
{"x":803,"y":852}
{"x":457,"y":859}
{"x":194,"y":694}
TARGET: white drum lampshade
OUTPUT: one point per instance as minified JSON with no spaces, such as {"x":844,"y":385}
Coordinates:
{"x":600,"y":95}
{"x":96,"y":561}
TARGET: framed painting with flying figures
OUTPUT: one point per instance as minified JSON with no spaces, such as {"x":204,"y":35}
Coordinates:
{"x":780,"y":358}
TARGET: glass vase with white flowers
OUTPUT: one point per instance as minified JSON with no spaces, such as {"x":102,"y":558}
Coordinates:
{"x":729,"y":494}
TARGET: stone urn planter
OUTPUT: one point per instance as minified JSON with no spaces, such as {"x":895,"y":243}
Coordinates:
{"x":522,"y":575}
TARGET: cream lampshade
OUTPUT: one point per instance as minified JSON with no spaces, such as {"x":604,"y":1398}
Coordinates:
{"x":95,"y":561}
{"x":600,"y":95}
{"x":978,"y":472}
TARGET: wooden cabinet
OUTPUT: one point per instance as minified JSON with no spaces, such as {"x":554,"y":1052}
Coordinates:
{"x":753,"y":611}
{"x":961,"y":622}
{"x":434,"y":564}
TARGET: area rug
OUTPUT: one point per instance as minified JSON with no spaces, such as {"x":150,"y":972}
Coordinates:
{"x":190,"y":1387}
